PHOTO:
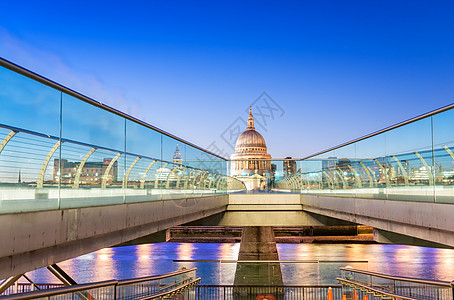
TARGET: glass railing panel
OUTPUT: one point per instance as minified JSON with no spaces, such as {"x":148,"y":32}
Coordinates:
{"x":443,"y":139}
{"x":30,"y":127}
{"x":28,"y":104}
{"x":311,"y":175}
{"x":345,"y":174}
{"x":409,"y":164}
{"x":90,"y":176}
{"x":86,"y":123}
{"x":173,"y":154}
{"x":170,"y":190}
{"x":193,"y":157}
{"x":28,"y":180}
{"x":370,"y":159}
{"x":98,"y":136}
{"x":328,"y":171}
{"x":143,"y":141}
{"x":259,"y":175}
{"x":142,"y":180}
{"x":396,"y":165}
{"x":133,"y":181}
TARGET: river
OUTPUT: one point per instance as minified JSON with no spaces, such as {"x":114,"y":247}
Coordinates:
{"x":154,"y":259}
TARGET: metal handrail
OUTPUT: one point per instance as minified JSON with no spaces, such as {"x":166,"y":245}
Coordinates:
{"x":81,"y":288}
{"x":407,"y":279}
{"x":373,"y":290}
{"x":412,"y":120}
{"x":58,"y":291}
{"x":32,"y":75}
{"x":156,"y":277}
{"x":174,"y":291}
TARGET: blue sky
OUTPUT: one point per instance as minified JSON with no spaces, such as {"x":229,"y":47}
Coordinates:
{"x":337,"y":69}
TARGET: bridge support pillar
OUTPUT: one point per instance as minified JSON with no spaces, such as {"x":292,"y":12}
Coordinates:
{"x":258,"y":244}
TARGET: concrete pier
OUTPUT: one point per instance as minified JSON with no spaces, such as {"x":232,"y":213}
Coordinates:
{"x":258,"y":243}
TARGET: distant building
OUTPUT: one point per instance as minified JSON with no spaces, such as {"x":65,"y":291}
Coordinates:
{"x":167,"y":173}
{"x":289,"y":166}
{"x":329,"y":162}
{"x":91,"y":173}
{"x":177,"y":159}
{"x":251,"y":163}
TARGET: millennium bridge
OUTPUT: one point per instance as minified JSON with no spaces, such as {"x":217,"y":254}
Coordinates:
{"x":77,"y":176}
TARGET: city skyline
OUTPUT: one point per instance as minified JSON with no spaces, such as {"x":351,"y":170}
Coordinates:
{"x":337,"y":72}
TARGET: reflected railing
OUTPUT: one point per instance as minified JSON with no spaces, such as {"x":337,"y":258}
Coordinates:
{"x":413,"y":160}
{"x":60,"y":149}
{"x":360,"y":282}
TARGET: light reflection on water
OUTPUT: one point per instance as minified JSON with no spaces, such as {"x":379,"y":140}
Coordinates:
{"x":154,"y":259}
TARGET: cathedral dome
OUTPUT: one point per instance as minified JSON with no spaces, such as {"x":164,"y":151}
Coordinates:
{"x":250,"y":138}
{"x":251,"y":163}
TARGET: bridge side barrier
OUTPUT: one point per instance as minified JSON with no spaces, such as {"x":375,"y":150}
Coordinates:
{"x":209,"y":292}
{"x":139,"y":288}
{"x":60,"y":149}
{"x":150,"y":287}
{"x":395,"y":286}
{"x":410,"y":161}
{"x":99,"y":290}
{"x":180,"y":289}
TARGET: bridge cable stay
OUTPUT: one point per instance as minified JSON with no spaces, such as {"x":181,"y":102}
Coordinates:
{"x":357,"y":177}
{"x":169,"y":177}
{"x":185,"y":186}
{"x":216,"y":184}
{"x":402,"y":169}
{"x":142,"y":181}
{"x":341,"y":176}
{"x":449,"y":151}
{"x":107,"y":171}
{"x":125,"y":178}
{"x":371,"y":180}
{"x":330,"y":181}
{"x":213,"y":180}
{"x":335,"y":181}
{"x":203,"y":180}
{"x":7,"y":138}
{"x":382,"y":168}
{"x":158,"y":176}
{"x":81,"y":167}
{"x":197,"y":174}
{"x":429,"y":173}
{"x":179,"y":177}
{"x":42,"y":171}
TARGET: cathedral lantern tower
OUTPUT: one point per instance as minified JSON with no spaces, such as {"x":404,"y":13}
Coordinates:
{"x":177,"y":159}
{"x":251,"y":163}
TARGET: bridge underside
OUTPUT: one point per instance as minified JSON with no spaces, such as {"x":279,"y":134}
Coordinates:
{"x":267,"y":210}
{"x":38,"y":239}
{"x":400,"y":222}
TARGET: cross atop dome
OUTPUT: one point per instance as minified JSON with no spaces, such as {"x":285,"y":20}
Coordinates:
{"x":250,"y":120}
